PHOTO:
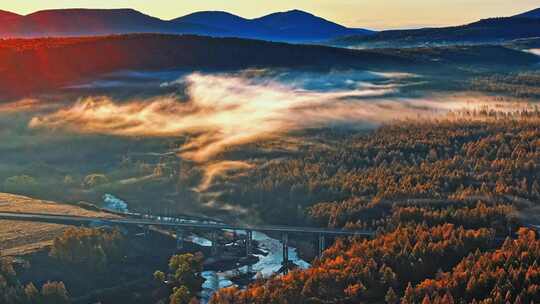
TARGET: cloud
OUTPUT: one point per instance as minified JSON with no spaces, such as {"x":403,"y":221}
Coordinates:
{"x":219,"y":168}
{"x":534,"y":51}
{"x":220,"y":111}
{"x":21,"y":106}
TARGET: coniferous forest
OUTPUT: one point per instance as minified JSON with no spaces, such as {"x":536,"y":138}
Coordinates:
{"x":288,"y":159}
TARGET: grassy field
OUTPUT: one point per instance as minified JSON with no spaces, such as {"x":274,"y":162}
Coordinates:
{"x":21,"y":238}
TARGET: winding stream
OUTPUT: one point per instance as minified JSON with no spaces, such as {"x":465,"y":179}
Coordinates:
{"x":268,"y":264}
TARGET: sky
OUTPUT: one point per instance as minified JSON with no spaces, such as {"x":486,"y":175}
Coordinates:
{"x":373,"y":14}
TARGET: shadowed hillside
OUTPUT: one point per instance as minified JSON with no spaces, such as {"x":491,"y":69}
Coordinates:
{"x":31,"y":65}
{"x":491,"y":30}
{"x":292,"y":26}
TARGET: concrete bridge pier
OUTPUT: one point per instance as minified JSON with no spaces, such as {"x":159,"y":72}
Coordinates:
{"x":322,"y":244}
{"x":213,"y":239}
{"x":179,"y":239}
{"x":146,"y":230}
{"x":249,"y":241}
{"x":285,"y":243}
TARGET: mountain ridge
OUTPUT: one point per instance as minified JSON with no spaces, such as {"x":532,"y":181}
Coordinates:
{"x":290,"y":26}
{"x":490,"y":30}
{"x":535,"y":13}
{"x":280,"y":26}
{"x":6,"y":16}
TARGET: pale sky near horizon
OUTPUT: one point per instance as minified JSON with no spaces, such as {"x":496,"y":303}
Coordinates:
{"x":373,"y":14}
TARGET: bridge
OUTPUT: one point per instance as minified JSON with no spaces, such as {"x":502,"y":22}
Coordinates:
{"x":180,"y":225}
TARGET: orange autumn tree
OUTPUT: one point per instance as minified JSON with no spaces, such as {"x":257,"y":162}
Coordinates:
{"x":365,"y":270}
{"x":510,"y":274}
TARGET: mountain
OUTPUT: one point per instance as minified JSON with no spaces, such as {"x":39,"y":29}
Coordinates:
{"x":217,"y":19}
{"x":81,"y":21}
{"x":85,"y":22}
{"x":492,"y":30}
{"x":301,"y":25}
{"x":293,"y":26}
{"x":530,"y":14}
{"x":8,"y":21}
{"x":4,"y":15}
{"x":30,"y":65}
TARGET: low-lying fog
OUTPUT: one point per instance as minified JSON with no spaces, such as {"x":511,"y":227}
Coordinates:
{"x":215,"y":112}
{"x":223,"y":110}
{"x":534,"y":51}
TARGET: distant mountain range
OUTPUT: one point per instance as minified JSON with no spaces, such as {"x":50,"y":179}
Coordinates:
{"x":291,"y":26}
{"x":493,"y":30}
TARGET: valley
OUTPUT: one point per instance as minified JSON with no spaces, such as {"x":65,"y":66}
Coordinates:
{"x":218,"y":159}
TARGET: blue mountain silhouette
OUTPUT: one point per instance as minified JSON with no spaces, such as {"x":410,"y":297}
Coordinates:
{"x":292,"y":26}
{"x":492,"y":30}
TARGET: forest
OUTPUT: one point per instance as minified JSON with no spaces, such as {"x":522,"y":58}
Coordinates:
{"x":491,"y":30}
{"x":450,"y":193}
{"x":448,"y":199}
{"x":523,"y":84}
{"x":487,"y":156}
{"x":90,"y":249}
{"x":32,"y":66}
{"x":289,"y":152}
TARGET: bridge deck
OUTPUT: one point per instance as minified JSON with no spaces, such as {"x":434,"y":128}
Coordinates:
{"x":77,"y":220}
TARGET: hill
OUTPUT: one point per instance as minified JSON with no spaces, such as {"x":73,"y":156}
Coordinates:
{"x":88,"y":22}
{"x":227,"y":22}
{"x":18,"y":238}
{"x":293,"y":26}
{"x":493,"y":30}
{"x":8,"y":15}
{"x":31,"y":65}
{"x":299,"y":25}
{"x":530,"y":14}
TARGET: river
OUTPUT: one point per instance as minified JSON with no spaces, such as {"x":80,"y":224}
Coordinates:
{"x":268,"y":263}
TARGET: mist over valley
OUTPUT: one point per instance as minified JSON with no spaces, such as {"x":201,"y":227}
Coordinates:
{"x":283,"y":159}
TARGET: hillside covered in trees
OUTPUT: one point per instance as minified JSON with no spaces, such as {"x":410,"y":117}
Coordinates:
{"x":492,"y":30}
{"x":31,"y":66}
{"x":452,"y":195}
{"x":447,"y":197}
{"x":487,"y":156}
{"x":12,"y":291}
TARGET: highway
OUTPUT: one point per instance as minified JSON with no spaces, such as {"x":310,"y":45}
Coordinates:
{"x":173,"y":223}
